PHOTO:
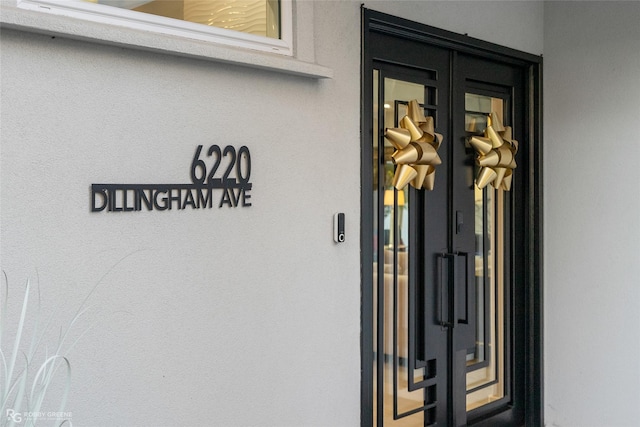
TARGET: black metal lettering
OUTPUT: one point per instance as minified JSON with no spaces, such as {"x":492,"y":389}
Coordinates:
{"x":125,"y":197}
{"x":233,"y":195}
{"x":173,"y":198}
{"x":205,"y":201}
{"x":198,"y":164}
{"x":112,"y":197}
{"x":225,"y":178}
{"x":225,"y":198}
{"x":197,"y":195}
{"x":210,"y":179}
{"x":188,"y":200}
{"x":117,"y":208}
{"x":243,"y":154}
{"x":137,"y":203}
{"x":245,"y":197}
{"x":147,"y":199}
{"x":105,"y":199}
{"x":155,"y":200}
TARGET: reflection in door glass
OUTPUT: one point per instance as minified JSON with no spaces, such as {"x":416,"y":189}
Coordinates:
{"x":397,"y":405}
{"x":485,"y":362}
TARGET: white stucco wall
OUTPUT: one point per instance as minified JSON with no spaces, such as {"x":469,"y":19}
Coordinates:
{"x":226,"y":317}
{"x":592,"y":234}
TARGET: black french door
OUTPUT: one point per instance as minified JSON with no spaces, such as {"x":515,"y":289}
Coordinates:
{"x":451,"y":334}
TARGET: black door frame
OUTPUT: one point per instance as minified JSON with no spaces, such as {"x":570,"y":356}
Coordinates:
{"x":530,"y":229}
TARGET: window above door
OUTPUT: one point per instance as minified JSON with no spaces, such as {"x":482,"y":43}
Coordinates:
{"x":241,"y":23}
{"x":162,"y":30}
{"x":258,"y":17}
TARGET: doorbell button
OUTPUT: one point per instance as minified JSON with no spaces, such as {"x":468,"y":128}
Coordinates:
{"x":338,"y":227}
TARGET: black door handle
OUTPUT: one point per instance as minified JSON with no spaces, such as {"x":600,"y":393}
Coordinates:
{"x":445,"y":284}
{"x":448,"y":282}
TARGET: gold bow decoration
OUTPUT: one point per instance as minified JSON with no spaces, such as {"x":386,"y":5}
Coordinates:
{"x":416,"y":145}
{"x":496,"y":154}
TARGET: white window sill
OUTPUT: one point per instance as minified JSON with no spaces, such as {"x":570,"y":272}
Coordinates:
{"x":27,"y":20}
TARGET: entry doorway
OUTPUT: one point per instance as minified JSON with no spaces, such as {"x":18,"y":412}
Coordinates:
{"x":451,"y":254}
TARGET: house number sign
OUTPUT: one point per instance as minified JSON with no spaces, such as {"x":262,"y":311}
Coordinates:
{"x":219,"y":176}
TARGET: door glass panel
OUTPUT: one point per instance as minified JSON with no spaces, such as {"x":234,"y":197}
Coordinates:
{"x":398,"y":405}
{"x":396,"y":401}
{"x":485,"y":362}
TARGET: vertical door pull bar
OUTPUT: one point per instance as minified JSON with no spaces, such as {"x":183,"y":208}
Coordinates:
{"x":466,"y":282}
{"x":445,"y":284}
{"x":448,"y":288}
{"x":441,"y":319}
{"x":453,"y":306}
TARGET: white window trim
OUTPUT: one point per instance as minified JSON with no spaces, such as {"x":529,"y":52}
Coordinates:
{"x":95,"y":12}
{"x":89,"y":21}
